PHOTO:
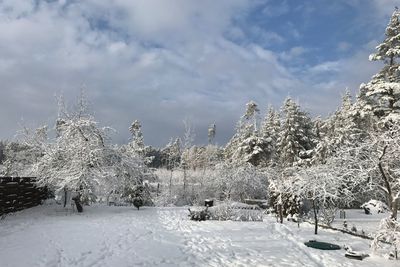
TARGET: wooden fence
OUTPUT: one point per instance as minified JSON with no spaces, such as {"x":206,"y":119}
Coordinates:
{"x":18,"y":193}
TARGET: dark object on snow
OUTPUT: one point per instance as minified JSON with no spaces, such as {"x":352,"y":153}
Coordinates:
{"x":321,"y":245}
{"x":355,"y":255}
{"x":208,"y":203}
{"x":367,"y":210}
{"x":199,"y":215}
{"x":262,"y":203}
{"x":77,"y":204}
{"x":138,"y":202}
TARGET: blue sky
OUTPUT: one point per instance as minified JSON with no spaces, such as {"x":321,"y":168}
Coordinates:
{"x":163,"y":61}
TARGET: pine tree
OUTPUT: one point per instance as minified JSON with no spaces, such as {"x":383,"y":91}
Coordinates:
{"x":137,"y":142}
{"x":246,"y":146}
{"x":296,"y":139}
{"x":211,"y":133}
{"x":270,"y":133}
{"x":381,"y":95}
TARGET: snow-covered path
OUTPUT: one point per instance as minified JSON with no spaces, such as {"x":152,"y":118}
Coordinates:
{"x":122,"y":236}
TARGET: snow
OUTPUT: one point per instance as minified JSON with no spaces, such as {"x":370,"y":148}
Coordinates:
{"x":123,"y":236}
{"x":369,"y":223}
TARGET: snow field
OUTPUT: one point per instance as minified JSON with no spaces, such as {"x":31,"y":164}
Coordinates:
{"x":122,"y":236}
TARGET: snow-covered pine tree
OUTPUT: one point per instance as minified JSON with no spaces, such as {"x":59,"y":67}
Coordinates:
{"x":212,"y":130}
{"x":136,"y":146}
{"x":380,"y":97}
{"x":270,"y":133}
{"x":137,"y":142}
{"x":246,"y":146}
{"x":343,"y":128}
{"x":296,"y":139}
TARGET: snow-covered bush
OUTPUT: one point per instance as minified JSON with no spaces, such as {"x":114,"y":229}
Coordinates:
{"x":235,"y":211}
{"x":387,"y":238}
{"x":238,"y":183}
{"x":374,"y":206}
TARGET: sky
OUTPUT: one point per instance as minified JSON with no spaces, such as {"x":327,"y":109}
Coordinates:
{"x":162,"y":62}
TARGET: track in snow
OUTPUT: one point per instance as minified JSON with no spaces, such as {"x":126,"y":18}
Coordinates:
{"x":122,"y":236}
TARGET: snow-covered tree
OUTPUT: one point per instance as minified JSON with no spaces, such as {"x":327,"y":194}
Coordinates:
{"x":136,"y":146}
{"x":323,"y":188}
{"x":80,"y":159}
{"x":280,"y":188}
{"x":172,"y":153}
{"x":239,"y":182}
{"x":381,"y":95}
{"x":246,"y":146}
{"x":212,"y":130}
{"x":137,"y":142}
{"x":2,"y":149}
{"x":270,"y":133}
{"x":341,"y":129}
{"x":296,"y":139}
{"x":387,"y":238}
{"x":22,"y":153}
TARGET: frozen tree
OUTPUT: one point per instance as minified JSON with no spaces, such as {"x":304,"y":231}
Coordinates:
{"x":172,"y":158}
{"x":74,"y":162}
{"x":136,"y":146}
{"x":296,"y":139}
{"x":212,"y":130}
{"x":188,"y":139}
{"x":80,"y":160}
{"x":25,"y":151}
{"x":252,"y":114}
{"x":340,"y":129}
{"x":246,"y":146}
{"x":381,"y":95}
{"x":387,"y":238}
{"x":2,"y":148}
{"x":270,"y":133}
{"x":188,"y":135}
{"x":280,"y":190}
{"x":375,"y":162}
{"x":239,"y":182}
{"x":323,"y":187}
{"x":137,"y":143}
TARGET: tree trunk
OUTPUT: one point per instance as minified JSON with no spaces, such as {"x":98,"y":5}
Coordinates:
{"x":388,"y":187}
{"x":315,"y":216}
{"x":280,"y":210}
{"x":394,"y":209}
{"x":184,"y":181}
{"x":170,"y":186}
{"x":65,"y":197}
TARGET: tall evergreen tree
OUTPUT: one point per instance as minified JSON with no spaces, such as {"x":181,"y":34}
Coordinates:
{"x":270,"y":133}
{"x":137,"y":142}
{"x":296,"y":139}
{"x":381,"y":95}
{"x":246,"y":146}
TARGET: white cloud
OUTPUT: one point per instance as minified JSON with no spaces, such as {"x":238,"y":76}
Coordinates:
{"x":153,"y":60}
{"x":293,"y":53}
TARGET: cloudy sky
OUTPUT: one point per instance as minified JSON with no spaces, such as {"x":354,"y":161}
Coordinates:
{"x":161,"y":61}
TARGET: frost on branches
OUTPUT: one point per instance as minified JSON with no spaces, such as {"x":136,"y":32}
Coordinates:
{"x":246,"y":146}
{"x":80,"y":160}
{"x":387,"y":238}
{"x":382,"y":94}
{"x":25,"y":151}
{"x":296,"y":139}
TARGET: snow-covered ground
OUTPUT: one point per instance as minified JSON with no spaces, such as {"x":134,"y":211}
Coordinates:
{"x":123,"y":236}
{"x":367,"y":223}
